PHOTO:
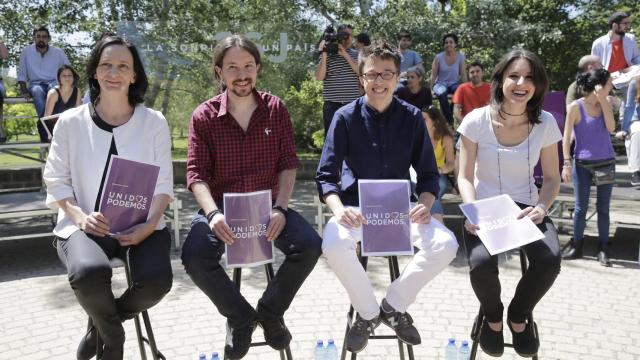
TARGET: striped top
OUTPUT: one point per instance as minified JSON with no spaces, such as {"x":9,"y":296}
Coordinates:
{"x":341,"y":83}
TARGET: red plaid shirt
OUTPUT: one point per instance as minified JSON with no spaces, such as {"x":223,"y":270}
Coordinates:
{"x":229,"y":159}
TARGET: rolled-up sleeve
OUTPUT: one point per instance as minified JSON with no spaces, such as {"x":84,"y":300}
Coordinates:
{"x":199,"y":160}
{"x":57,"y":171}
{"x":424,"y":161}
{"x":333,"y":153}
{"x":162,"y":155}
{"x":288,"y":158}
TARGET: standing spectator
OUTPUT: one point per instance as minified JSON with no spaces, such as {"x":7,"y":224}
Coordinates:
{"x":591,"y":117}
{"x":4,"y":55}
{"x":501,"y":144}
{"x":447,"y":72}
{"x":65,"y":95}
{"x":362,"y":41}
{"x":473,"y":94}
{"x":85,"y":138}
{"x":441,"y":137}
{"x":39,"y":64}
{"x":408,"y":57}
{"x":415,"y":93}
{"x":338,"y":72}
{"x":586,"y":64}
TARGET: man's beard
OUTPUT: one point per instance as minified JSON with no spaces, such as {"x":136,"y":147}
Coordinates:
{"x":41,"y":45}
{"x":243,"y":93}
{"x":619,"y":33}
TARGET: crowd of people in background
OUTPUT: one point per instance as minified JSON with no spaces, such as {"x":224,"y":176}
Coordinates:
{"x":380,"y":122}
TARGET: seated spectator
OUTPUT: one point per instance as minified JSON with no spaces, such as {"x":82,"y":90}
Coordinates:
{"x":362,"y":41}
{"x":39,"y":63}
{"x":4,"y":54}
{"x":415,"y":93}
{"x":442,"y":140}
{"x":447,"y":72}
{"x":473,"y":94}
{"x":65,"y":95}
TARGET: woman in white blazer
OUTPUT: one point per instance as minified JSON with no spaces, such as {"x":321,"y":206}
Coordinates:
{"x":84,"y":139}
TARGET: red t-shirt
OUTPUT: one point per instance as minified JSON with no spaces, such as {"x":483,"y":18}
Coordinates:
{"x":471,"y":97}
{"x":617,"y":62}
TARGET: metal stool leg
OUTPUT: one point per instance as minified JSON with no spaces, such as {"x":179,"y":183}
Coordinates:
{"x":285,"y":354}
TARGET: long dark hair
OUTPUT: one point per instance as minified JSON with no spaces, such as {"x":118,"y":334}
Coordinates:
{"x":76,"y":77}
{"x":540,"y":81}
{"x":230,"y":42}
{"x":136,"y":90}
{"x":440,"y":125}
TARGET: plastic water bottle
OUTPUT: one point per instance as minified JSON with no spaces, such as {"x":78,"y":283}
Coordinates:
{"x":214,"y":356}
{"x":451,"y":351}
{"x":202,"y":356}
{"x":464,"y":353}
{"x":318,"y":351}
{"x":331,"y":351}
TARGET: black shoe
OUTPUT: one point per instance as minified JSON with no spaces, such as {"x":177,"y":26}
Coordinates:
{"x":113,"y":353}
{"x":402,"y":324}
{"x":359,"y":332}
{"x":635,"y":178}
{"x":276,"y":333}
{"x":88,"y":345}
{"x":239,"y":341}
{"x":524,"y":343}
{"x":491,"y":342}
{"x":603,"y":258}
{"x":574,"y":251}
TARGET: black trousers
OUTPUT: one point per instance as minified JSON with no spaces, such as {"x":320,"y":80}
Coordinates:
{"x":201,"y":255}
{"x":544,"y":267}
{"x":329,"y":109}
{"x":87,"y":260}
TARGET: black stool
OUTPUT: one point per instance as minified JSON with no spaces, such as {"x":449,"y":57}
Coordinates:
{"x":394,"y":272}
{"x":150,"y":340}
{"x":477,"y":324}
{"x":237,"y":278}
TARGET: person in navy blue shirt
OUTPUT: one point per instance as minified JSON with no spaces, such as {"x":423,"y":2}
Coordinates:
{"x":379,"y":136}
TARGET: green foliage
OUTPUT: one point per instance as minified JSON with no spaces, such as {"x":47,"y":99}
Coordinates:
{"x":305,"y":109}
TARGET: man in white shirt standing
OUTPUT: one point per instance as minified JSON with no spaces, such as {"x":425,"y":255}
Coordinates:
{"x":37,"y":72}
{"x":619,"y":50}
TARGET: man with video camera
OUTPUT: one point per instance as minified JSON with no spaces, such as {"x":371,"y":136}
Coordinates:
{"x":337,"y":69}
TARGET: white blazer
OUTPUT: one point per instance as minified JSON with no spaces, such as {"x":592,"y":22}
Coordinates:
{"x":79,"y":151}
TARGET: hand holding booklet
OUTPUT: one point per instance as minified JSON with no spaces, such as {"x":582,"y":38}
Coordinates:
{"x":498,"y":226}
{"x":248,"y":215}
{"x":127,"y":192}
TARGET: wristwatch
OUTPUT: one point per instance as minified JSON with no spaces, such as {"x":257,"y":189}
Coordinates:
{"x":542,"y":207}
{"x":281,"y":209}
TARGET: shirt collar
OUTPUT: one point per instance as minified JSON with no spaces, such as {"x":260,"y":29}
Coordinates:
{"x":368,"y":111}
{"x":224,"y":98}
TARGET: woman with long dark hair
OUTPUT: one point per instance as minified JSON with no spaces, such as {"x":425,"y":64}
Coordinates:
{"x":442,"y":140}
{"x":501,"y":144}
{"x":115,"y":123}
{"x":591,"y":120}
{"x":65,"y":95}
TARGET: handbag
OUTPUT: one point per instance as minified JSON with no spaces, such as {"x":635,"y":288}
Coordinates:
{"x":603,"y":172}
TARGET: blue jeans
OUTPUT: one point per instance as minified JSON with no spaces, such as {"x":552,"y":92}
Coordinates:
{"x":445,"y":107}
{"x":443,"y":183}
{"x":630,"y":106}
{"x":38,"y":91}
{"x":581,"y":188}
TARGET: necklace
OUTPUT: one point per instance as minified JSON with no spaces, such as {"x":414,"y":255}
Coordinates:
{"x":503,"y":111}
{"x":498,"y":146}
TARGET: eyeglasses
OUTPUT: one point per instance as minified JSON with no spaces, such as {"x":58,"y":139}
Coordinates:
{"x":385,"y":75}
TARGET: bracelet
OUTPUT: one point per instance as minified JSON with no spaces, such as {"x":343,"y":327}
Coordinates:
{"x":281,"y":209}
{"x":213,"y":213}
{"x":542,"y":207}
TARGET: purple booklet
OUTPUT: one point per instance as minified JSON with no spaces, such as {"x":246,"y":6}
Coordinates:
{"x":500,"y":230}
{"x":248,"y":216}
{"x":127,"y":192}
{"x":385,"y":206}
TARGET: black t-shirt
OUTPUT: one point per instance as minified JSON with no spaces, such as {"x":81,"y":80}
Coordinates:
{"x":421,"y":99}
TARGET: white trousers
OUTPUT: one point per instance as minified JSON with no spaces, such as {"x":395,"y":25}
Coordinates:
{"x":438,"y":247}
{"x":633,"y":146}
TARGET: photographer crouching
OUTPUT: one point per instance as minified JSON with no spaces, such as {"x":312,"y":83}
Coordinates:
{"x":337,"y":69}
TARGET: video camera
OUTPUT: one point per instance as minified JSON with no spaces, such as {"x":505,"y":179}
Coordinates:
{"x":331,"y":39}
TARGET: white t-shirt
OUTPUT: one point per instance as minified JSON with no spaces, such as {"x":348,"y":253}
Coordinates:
{"x":514,"y":175}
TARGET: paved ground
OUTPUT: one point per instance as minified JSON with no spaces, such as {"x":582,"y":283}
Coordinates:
{"x":590,"y":313}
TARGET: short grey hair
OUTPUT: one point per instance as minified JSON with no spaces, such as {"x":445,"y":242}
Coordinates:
{"x":416,"y":69}
{"x":586,"y":61}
